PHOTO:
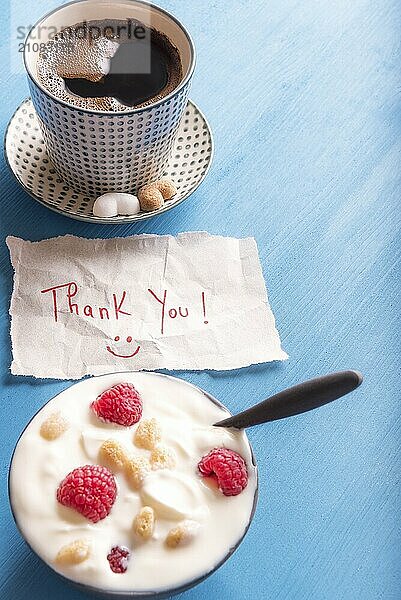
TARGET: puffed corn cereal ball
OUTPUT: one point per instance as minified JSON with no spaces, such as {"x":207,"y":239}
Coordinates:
{"x":148,"y":434}
{"x":182,"y":535}
{"x":162,"y":458}
{"x":144,"y":523}
{"x":136,"y":470}
{"x":53,"y":427}
{"x":74,"y":553}
{"x":113,"y":455}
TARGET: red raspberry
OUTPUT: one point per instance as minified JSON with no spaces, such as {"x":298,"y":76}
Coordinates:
{"x":118,"y":559}
{"x":91,"y":490}
{"x":228,"y":467}
{"x":119,"y":404}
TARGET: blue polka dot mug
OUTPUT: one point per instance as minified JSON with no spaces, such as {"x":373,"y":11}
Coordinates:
{"x":96,"y":151}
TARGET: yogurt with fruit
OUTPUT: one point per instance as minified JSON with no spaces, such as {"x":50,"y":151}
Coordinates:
{"x":121,"y":482}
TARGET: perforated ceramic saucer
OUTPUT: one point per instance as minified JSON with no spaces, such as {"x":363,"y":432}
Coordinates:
{"x":28,"y":160}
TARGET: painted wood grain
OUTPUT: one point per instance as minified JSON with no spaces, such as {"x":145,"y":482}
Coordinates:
{"x":304,"y":100}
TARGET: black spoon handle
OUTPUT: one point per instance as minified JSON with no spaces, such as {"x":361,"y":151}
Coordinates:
{"x":296,"y":400}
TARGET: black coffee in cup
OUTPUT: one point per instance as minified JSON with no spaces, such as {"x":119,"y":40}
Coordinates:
{"x":110,"y":65}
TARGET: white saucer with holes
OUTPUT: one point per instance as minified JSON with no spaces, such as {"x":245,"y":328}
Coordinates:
{"x":26,"y":155}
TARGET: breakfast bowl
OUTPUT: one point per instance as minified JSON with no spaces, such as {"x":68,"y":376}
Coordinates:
{"x":132,"y":492}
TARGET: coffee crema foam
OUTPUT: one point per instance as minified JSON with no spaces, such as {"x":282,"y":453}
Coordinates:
{"x":71,"y":56}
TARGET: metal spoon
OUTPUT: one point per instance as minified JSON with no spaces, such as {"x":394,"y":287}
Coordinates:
{"x":296,"y":400}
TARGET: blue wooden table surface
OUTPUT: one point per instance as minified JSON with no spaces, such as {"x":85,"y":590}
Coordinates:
{"x":304,"y":98}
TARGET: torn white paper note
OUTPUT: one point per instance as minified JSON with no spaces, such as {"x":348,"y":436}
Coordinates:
{"x":87,"y":307}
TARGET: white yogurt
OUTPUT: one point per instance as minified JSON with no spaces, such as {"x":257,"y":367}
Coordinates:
{"x":186,"y":416}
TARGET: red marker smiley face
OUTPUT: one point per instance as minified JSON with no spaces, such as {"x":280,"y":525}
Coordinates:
{"x":129,"y":340}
